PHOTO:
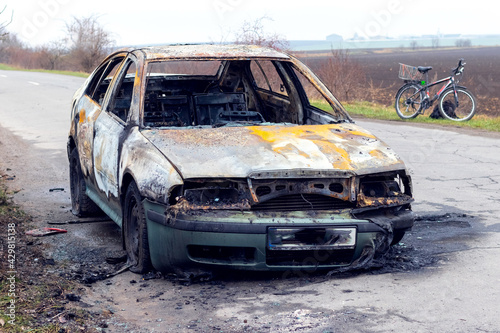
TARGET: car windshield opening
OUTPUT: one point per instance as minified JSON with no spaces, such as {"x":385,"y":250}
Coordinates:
{"x":186,"y":93}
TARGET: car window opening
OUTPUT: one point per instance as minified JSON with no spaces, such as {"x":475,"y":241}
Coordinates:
{"x":122,"y":99}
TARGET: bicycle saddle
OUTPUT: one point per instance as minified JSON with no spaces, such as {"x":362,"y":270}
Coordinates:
{"x":423,"y":69}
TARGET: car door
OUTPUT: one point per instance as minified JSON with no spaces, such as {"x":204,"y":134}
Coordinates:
{"x":109,"y":134}
{"x":89,"y":108}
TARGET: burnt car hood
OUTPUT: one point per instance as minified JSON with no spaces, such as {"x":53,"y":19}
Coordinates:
{"x":242,"y":151}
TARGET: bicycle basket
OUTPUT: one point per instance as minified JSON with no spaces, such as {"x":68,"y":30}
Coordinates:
{"x":407,"y":72}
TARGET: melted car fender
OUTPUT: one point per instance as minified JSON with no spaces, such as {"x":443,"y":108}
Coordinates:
{"x":153,"y":173}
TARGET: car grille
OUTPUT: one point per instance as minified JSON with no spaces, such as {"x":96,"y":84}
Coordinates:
{"x":222,"y":254}
{"x":309,"y":257}
{"x":300,"y":202}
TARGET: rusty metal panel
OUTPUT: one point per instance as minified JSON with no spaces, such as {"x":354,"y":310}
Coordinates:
{"x":209,"y":51}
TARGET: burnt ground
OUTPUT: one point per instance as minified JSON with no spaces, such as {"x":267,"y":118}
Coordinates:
{"x":261,"y":302}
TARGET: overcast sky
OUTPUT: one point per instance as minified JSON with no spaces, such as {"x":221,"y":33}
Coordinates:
{"x":186,"y":21}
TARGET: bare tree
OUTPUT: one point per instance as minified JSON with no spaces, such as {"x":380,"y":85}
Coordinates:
{"x":253,"y":33}
{"x":413,"y":45}
{"x":463,"y":43}
{"x":89,"y":41}
{"x":3,"y":25}
{"x":435,"y":42}
{"x":342,"y":75}
{"x":51,"y":55}
{"x":9,"y":45}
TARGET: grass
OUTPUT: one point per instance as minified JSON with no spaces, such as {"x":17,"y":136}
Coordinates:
{"x":7,"y":208}
{"x":3,"y":196}
{"x":377,"y":111}
{"x":12,"y":68}
{"x":31,"y":303}
{"x":5,"y":202}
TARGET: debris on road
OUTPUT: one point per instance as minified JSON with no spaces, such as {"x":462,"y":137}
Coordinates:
{"x":39,"y":232}
{"x":116,"y":260}
{"x":123,"y":269}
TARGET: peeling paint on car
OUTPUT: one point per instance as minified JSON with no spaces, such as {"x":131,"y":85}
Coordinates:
{"x":211,"y":52}
{"x":105,"y":155}
{"x":88,"y":113}
{"x":154,"y":175}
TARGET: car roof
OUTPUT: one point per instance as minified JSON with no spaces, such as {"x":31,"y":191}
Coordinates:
{"x":209,"y":52}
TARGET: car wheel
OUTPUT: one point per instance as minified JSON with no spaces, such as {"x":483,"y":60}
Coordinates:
{"x":397,"y":236}
{"x":81,"y":204}
{"x":135,"y":231}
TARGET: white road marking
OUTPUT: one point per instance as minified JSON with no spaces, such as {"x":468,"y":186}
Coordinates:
{"x":3,"y":75}
{"x":34,"y":83}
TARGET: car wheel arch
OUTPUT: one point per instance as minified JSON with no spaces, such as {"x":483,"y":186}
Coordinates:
{"x":126,"y":181}
{"x":71,"y":145}
{"x":138,"y":258}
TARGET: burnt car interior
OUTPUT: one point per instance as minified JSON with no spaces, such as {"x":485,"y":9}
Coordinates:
{"x":241,"y":92}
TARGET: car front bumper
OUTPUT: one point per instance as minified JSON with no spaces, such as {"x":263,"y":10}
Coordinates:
{"x":242,"y":239}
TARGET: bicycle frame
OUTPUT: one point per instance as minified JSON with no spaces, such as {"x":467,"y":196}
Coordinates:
{"x":451,"y":82}
{"x":428,"y":101}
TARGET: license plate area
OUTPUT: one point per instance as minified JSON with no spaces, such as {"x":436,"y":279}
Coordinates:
{"x":311,"y":238}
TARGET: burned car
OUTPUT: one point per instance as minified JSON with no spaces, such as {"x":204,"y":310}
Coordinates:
{"x":233,"y":156}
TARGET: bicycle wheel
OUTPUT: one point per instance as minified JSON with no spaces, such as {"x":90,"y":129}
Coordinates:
{"x":408,"y":101}
{"x":463,"y":111}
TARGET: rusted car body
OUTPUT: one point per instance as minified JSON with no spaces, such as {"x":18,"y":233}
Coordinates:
{"x":224,"y":156}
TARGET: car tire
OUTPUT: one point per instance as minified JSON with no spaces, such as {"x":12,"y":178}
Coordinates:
{"x":81,"y":204}
{"x":135,"y":231}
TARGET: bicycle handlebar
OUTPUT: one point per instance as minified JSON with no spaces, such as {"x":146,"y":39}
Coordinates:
{"x":460,"y":68}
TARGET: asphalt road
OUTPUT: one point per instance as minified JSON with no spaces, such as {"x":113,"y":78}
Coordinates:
{"x":445,"y":277}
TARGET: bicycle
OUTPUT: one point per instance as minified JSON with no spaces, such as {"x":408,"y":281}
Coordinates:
{"x":456,"y":102}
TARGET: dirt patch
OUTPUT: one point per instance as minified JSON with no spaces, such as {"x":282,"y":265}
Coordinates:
{"x":33,"y":293}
